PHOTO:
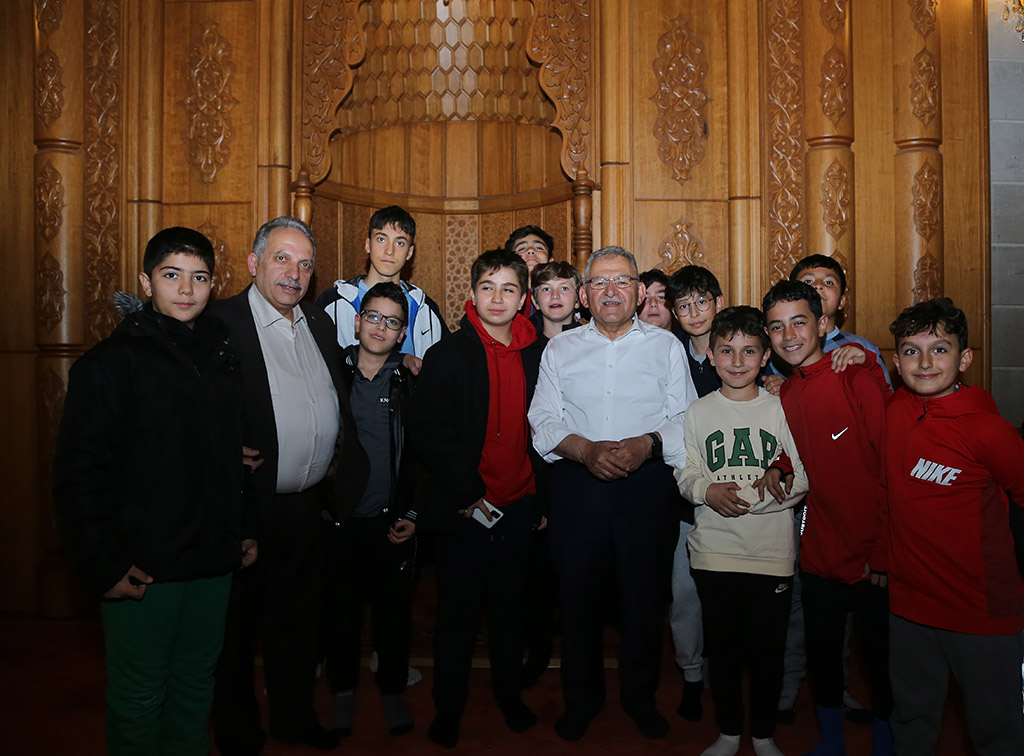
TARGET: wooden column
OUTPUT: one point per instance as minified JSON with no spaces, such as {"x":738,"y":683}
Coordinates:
{"x":59,"y":304}
{"x":616,"y":123}
{"x":273,"y":172}
{"x":918,"y":163}
{"x":828,"y":92}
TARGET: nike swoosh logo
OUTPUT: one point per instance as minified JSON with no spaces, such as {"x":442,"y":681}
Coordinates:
{"x":781,"y":588}
{"x":837,"y":435}
{"x":424,"y":333}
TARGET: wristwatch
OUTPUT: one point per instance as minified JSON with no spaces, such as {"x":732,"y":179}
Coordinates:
{"x":656,"y":447}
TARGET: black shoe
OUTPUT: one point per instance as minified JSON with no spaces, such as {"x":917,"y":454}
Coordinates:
{"x":650,"y":723}
{"x":786,"y":716}
{"x":690,"y":707}
{"x":573,"y":725}
{"x":517,"y":715}
{"x":444,"y":730}
{"x":315,"y":737}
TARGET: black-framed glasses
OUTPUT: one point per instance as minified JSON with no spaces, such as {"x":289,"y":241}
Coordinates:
{"x":700,"y":304}
{"x":619,"y":282}
{"x":374,"y":317}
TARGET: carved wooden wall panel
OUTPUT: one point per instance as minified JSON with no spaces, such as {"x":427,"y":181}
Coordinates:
{"x":670,"y":235}
{"x":461,"y":247}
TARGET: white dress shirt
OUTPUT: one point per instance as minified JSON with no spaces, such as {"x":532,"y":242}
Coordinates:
{"x":305,"y":400}
{"x":606,"y":390}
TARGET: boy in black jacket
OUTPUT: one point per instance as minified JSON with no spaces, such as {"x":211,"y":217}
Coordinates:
{"x":147,"y":482}
{"x":371,"y":558}
{"x":469,"y":432}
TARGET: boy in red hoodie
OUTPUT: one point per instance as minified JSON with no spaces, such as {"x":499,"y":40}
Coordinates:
{"x":838,"y":422}
{"x":470,"y":434}
{"x":956,"y":592}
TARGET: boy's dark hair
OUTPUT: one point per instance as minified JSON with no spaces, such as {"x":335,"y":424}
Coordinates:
{"x":495,"y":259}
{"x":393,"y":215}
{"x":691,"y":280}
{"x":792,"y":291}
{"x":654,"y":276}
{"x":386,"y":290}
{"x":820,"y":261}
{"x":187,"y":241}
{"x":927,"y":317}
{"x":555,"y":269}
{"x":740,"y":319}
{"x":524,"y":231}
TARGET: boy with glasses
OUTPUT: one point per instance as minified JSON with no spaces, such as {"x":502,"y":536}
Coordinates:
{"x":371,"y":557}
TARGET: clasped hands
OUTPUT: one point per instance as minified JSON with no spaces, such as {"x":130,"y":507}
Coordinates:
{"x":610,"y":460}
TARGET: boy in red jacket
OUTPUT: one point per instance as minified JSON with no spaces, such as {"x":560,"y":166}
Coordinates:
{"x":956,"y":593}
{"x":838,"y":423}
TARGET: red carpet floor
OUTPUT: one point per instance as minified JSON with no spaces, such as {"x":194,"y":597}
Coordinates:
{"x":52,"y":682}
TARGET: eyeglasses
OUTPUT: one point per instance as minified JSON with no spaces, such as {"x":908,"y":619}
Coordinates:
{"x":700,"y":304}
{"x":619,"y":282}
{"x":372,"y":316}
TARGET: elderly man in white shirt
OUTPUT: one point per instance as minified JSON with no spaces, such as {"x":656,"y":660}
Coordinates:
{"x":608,"y":412}
{"x":296,"y":415}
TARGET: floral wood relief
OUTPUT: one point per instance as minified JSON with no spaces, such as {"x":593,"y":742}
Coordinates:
{"x":833,"y":14}
{"x":224,"y":273}
{"x":835,"y":200}
{"x":50,"y":202}
{"x":50,"y":292}
{"x":560,"y":42}
{"x":49,"y":87}
{"x":784,"y":136}
{"x":208,"y":131}
{"x":332,"y":42}
{"x":924,"y":14}
{"x":461,"y":247}
{"x":427,"y":63}
{"x":48,"y":15}
{"x":835,"y":85}
{"x":927,"y":200}
{"x":103,"y":121}
{"x":680,"y":71}
{"x":924,"y":87}
{"x":680,"y":248}
{"x":927,"y":279}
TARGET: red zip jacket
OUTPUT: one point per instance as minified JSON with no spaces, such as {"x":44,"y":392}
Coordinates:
{"x":838,"y":422}
{"x":951,"y":462}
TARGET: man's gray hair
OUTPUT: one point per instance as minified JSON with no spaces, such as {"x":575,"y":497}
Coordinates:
{"x":610,"y":252}
{"x":259,"y":244}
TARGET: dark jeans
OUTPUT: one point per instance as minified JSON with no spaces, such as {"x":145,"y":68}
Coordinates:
{"x":826,"y":604}
{"x":363,"y":568}
{"x":481,"y":568}
{"x":624,"y":530}
{"x":745,"y":620}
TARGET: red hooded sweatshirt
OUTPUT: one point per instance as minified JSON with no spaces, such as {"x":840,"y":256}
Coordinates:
{"x":838,"y":423}
{"x":951,"y":462}
{"x":504,"y":462}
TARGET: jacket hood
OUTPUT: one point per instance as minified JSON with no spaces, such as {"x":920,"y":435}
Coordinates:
{"x":127,"y":303}
{"x":967,"y":400}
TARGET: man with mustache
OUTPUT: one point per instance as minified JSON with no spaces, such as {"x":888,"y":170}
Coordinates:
{"x":296,"y":408}
{"x":608,"y":412}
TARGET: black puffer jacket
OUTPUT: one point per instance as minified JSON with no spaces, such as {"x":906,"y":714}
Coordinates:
{"x":148,"y":463}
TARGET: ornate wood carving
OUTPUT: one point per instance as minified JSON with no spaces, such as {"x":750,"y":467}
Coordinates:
{"x":785,"y":137}
{"x":927,"y":279}
{"x":208,"y":131}
{"x":835,"y":85}
{"x":927,"y":200}
{"x":332,"y":42}
{"x":49,"y":88}
{"x":50,"y":292}
{"x":48,"y":15}
{"x":461,"y":247}
{"x":560,"y":42}
{"x":103,"y":121}
{"x":50,"y":202}
{"x":680,"y":70}
{"x":681,"y":247}
{"x":924,"y":87}
{"x":924,"y":14}
{"x":835,"y":200}
{"x":224,"y":273}
{"x":833,"y":14}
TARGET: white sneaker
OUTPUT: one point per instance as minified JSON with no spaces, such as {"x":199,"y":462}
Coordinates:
{"x":726,"y":745}
{"x":766,"y":747}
